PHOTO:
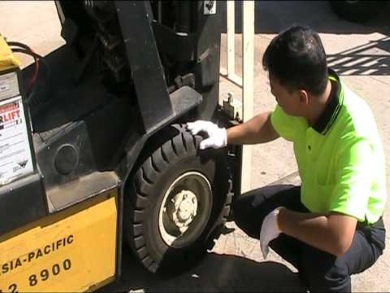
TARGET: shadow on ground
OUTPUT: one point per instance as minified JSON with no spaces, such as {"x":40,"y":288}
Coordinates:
{"x":273,"y":16}
{"x":216,"y":273}
{"x":369,"y":59}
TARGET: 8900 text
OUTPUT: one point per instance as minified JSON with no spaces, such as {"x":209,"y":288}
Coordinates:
{"x":42,"y":276}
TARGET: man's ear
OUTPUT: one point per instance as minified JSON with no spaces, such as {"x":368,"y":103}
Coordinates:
{"x":304,"y":97}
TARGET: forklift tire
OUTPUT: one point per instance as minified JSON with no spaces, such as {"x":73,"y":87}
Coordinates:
{"x":358,"y":11}
{"x":177,"y":202}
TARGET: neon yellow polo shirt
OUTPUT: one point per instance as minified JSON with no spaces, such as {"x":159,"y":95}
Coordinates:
{"x":340,"y":158}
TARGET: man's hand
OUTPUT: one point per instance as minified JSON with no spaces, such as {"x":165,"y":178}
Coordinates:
{"x":216,"y":135}
{"x":269,"y":230}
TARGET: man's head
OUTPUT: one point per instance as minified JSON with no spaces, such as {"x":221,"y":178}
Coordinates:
{"x":296,"y":62}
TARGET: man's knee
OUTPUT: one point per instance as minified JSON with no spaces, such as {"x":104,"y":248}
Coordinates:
{"x":243,"y":216}
{"x":250,"y":209}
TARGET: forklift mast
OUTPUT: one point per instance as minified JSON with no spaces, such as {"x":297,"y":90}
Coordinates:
{"x":152,"y":47}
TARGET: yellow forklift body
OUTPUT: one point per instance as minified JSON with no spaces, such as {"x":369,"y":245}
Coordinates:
{"x":68,"y":251}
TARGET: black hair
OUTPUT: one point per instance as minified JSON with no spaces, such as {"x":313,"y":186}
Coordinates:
{"x":297,"y":59}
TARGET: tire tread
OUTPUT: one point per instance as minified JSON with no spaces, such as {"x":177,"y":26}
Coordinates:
{"x":158,"y":162}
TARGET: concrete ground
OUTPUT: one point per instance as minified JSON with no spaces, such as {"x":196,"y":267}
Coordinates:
{"x":359,"y":53}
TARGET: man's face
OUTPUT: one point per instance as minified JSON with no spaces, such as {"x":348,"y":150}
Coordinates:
{"x":289,"y":101}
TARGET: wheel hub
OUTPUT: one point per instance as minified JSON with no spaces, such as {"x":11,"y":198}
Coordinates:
{"x":187,"y":203}
{"x":184,"y":208}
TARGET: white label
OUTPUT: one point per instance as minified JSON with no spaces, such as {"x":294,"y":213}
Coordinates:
{"x":209,"y":7}
{"x":15,"y":153}
{"x":9,"y":85}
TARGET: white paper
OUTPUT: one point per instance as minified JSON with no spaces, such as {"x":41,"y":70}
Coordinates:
{"x":15,"y":152}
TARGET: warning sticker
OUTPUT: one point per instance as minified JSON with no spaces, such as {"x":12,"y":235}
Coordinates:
{"x":15,"y":153}
{"x":8,"y":85}
{"x":209,"y":7}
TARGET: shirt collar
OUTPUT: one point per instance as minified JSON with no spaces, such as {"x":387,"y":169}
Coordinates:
{"x":332,"y":109}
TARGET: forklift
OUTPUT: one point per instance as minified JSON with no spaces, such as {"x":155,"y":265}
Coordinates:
{"x":95,"y":158}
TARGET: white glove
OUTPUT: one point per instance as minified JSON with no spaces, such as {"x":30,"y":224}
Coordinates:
{"x":269,"y":230}
{"x":216,"y":135}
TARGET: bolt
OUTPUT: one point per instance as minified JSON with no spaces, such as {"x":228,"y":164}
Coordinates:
{"x":230,"y":97}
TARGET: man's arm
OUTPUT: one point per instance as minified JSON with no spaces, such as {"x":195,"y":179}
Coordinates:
{"x":258,"y":129}
{"x":332,"y":233}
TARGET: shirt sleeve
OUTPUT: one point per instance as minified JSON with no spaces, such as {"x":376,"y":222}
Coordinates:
{"x":285,"y":125}
{"x":356,"y":165}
